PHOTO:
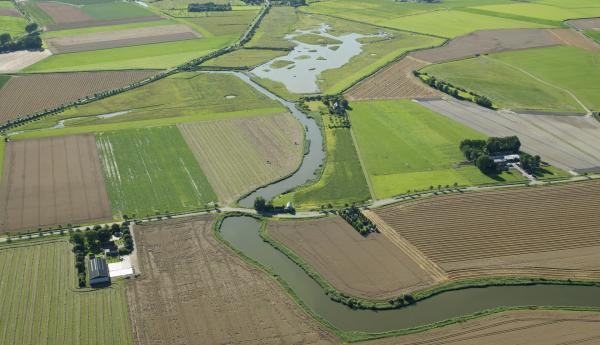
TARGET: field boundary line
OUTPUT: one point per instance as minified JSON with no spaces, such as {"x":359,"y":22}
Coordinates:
{"x":362,"y":165}
{"x":588,"y":111}
{"x":438,"y":274}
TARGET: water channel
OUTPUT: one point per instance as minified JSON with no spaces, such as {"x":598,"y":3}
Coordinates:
{"x":242,"y":233}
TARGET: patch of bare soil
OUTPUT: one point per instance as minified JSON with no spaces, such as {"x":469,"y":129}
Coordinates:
{"x":392,"y":82}
{"x":63,"y":13}
{"x":194,"y":290}
{"x":88,"y":23}
{"x":575,"y":39}
{"x":27,"y":94}
{"x":548,"y":231}
{"x":16,"y":61}
{"x":121,"y":38}
{"x":9,"y":12}
{"x":369,"y":267}
{"x":585,"y":24}
{"x":242,"y":154}
{"x":52,"y":181}
{"x":487,"y":41}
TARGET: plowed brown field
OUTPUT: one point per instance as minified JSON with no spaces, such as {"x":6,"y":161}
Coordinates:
{"x":193,"y":290}
{"x":368,"y":267}
{"x":62,"y":13}
{"x":52,"y":181}
{"x":27,"y":94}
{"x":394,"y":81}
{"x":488,"y":41}
{"x":10,"y":12}
{"x":575,"y":39}
{"x":240,"y":155}
{"x":585,"y":24}
{"x":538,"y":231}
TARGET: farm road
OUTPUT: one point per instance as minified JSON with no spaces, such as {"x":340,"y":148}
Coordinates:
{"x":567,"y":142}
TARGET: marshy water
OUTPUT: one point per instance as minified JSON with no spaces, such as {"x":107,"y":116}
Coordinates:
{"x":242,"y":233}
{"x":300,"y":69}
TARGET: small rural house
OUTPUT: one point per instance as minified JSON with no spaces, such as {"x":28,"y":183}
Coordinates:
{"x":99,"y":275}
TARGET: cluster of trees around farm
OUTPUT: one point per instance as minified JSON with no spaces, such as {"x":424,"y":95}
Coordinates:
{"x":454,"y":91}
{"x":92,"y":240}
{"x":292,"y":3}
{"x":480,"y":152}
{"x":31,"y":41}
{"x":263,"y":206}
{"x":357,"y":219}
{"x":209,"y":7}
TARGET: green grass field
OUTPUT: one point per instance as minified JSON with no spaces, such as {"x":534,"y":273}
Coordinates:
{"x":40,"y":303}
{"x":184,"y":97}
{"x":405,"y":146}
{"x":506,"y":86}
{"x":276,"y":24}
{"x":149,"y":56}
{"x":544,"y":11}
{"x":219,"y":24}
{"x":115,"y":10}
{"x":3,"y":80}
{"x":595,"y":34}
{"x":342,"y":181}
{"x":245,"y":58}
{"x":15,"y":26}
{"x":151,"y":170}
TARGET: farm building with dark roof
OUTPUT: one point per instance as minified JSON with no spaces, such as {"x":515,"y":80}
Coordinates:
{"x":99,"y":275}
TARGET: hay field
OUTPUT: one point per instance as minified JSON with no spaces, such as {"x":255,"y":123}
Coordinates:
{"x":245,"y":58}
{"x":231,"y":24}
{"x":52,"y":181}
{"x":370,"y":267}
{"x":196,"y":291}
{"x":27,"y":94}
{"x":405,"y":146}
{"x":240,"y":155}
{"x":537,"y":231}
{"x":151,"y":170}
{"x":120,"y":38}
{"x":41,"y":305}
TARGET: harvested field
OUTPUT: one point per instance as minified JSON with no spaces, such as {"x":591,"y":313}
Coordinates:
{"x":121,"y":38}
{"x":567,"y":142}
{"x":515,"y":327}
{"x":52,"y":181}
{"x":369,"y":267}
{"x":585,"y":24}
{"x":9,"y":12}
{"x":16,"y":61}
{"x":488,"y":41}
{"x":548,"y":231}
{"x":394,"y":81}
{"x":576,"y":39}
{"x":193,"y":290}
{"x":242,"y":154}
{"x":27,"y":94}
{"x":62,"y":13}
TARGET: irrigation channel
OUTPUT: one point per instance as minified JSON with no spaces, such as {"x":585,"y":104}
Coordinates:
{"x":243,"y":233}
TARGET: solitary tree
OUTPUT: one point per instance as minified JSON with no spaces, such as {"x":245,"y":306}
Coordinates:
{"x":32,"y":27}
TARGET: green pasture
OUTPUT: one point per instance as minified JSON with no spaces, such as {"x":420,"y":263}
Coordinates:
{"x":277,"y":23}
{"x":3,"y":80}
{"x":36,"y":13}
{"x":182,"y":4}
{"x":404,"y":146}
{"x":115,"y":10}
{"x":315,"y":39}
{"x":151,"y":170}
{"x":544,"y":11}
{"x":42,"y":305}
{"x":595,"y":34}
{"x":15,"y":26}
{"x":245,"y":58}
{"x":505,"y":86}
{"x":574,"y":69}
{"x":342,"y":181}
{"x":148,"y":56}
{"x":107,"y":28}
{"x":221,"y":24}
{"x":183,"y":97}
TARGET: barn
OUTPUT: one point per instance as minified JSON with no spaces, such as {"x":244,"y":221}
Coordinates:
{"x":99,"y":275}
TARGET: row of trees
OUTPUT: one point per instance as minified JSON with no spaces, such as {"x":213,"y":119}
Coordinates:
{"x":30,"y":41}
{"x":357,"y":219}
{"x":209,"y":7}
{"x":454,"y":91}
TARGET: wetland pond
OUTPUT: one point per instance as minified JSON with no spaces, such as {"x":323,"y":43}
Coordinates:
{"x":299,"y":70}
{"x":242,"y":233}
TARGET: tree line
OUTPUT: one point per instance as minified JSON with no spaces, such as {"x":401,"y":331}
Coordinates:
{"x":30,"y":41}
{"x":358,"y":220}
{"x":209,"y":7}
{"x":454,"y":91}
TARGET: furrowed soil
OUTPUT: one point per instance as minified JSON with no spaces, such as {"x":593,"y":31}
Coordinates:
{"x":27,"y":94}
{"x":488,"y":41}
{"x":242,"y":154}
{"x":548,"y":231}
{"x":62,"y":13}
{"x":120,"y":38}
{"x":370,"y":267}
{"x":52,"y":181}
{"x":394,"y":81}
{"x":193,"y":290}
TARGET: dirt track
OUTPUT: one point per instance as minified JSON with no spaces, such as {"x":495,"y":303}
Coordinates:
{"x":369,"y":267}
{"x":585,"y":24}
{"x":52,"y":181}
{"x":196,"y":291}
{"x":537,"y":231}
{"x":392,"y":82}
{"x":120,"y":38}
{"x":27,"y":94}
{"x":568,"y":142}
{"x":488,"y":41}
